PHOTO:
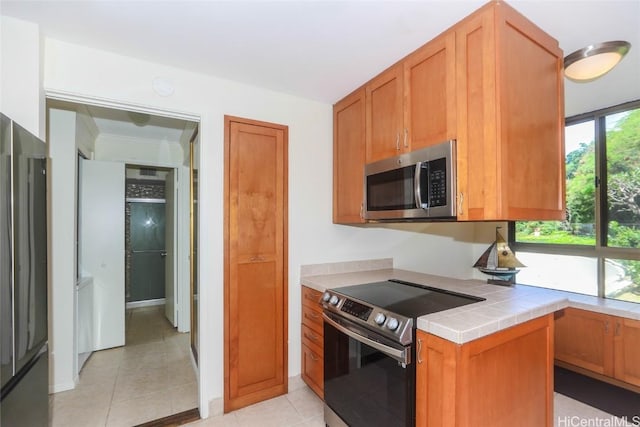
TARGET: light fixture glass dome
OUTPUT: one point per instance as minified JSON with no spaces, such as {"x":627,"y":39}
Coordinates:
{"x":593,"y":61}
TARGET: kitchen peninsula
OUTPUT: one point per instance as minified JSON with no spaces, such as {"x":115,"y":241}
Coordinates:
{"x":491,"y":359}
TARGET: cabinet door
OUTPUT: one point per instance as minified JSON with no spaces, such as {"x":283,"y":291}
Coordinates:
{"x":430,"y":103}
{"x":627,"y":351}
{"x":436,"y":380}
{"x":349,"y":159}
{"x":476,"y":124}
{"x":584,"y":338}
{"x":255,"y":262}
{"x":313,"y":370}
{"x":530,"y":100}
{"x":385,"y":136}
{"x":510,"y":121}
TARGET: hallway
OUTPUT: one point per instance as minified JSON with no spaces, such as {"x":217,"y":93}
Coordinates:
{"x":151,"y":377}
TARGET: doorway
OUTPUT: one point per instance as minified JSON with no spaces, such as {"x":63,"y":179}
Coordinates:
{"x":161,"y":350}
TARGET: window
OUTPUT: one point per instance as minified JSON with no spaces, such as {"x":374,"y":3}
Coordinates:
{"x":596,"y":249}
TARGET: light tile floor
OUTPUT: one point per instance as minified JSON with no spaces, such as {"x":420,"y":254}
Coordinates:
{"x":152,"y":377}
{"x":302,"y":408}
{"x":149,"y":378}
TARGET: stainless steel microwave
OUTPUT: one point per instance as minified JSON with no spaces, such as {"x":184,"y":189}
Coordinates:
{"x":412,"y":186}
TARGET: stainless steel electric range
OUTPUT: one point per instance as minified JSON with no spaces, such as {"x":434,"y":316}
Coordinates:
{"x":369,"y":331}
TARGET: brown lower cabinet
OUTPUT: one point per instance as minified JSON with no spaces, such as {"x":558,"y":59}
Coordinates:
{"x":600,"y":344}
{"x":503,"y":379}
{"x":312,"y":341}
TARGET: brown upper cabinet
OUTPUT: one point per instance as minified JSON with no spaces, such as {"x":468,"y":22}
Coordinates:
{"x":494,"y":83}
{"x":510,"y":133}
{"x":412,"y":104}
{"x":349,"y":159}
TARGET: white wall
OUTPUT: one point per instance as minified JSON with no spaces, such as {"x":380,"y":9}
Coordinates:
{"x":435,"y":248}
{"x":21,"y":94}
{"x":62,"y":231}
{"x":138,"y":151}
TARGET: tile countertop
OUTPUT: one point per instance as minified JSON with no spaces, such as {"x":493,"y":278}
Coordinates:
{"x":503,"y":306}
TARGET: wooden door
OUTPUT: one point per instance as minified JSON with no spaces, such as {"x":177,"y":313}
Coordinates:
{"x":255,"y":262}
{"x":429,"y":85}
{"x":584,"y":339}
{"x":385,"y":136}
{"x":627,"y":350}
{"x":349,"y":159}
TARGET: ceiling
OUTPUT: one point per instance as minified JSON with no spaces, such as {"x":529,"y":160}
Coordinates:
{"x":322,"y":50}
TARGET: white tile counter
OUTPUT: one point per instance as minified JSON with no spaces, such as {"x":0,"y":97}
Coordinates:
{"x":503,"y":306}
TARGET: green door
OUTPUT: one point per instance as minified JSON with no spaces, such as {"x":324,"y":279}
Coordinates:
{"x":148,"y":250}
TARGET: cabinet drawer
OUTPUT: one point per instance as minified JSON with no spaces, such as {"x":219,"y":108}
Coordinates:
{"x":311,"y":297}
{"x":313,"y":370}
{"x":312,"y":339}
{"x":312,"y":318}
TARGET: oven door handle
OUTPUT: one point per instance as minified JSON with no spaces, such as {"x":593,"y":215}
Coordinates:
{"x":402,"y":356}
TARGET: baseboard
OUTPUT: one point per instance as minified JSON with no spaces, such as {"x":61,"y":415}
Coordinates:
{"x":145,"y":303}
{"x":57,"y":388}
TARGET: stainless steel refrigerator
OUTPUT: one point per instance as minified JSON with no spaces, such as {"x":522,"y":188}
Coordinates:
{"x":23,"y":274}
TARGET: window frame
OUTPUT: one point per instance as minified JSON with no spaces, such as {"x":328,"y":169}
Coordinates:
{"x":600,"y":250}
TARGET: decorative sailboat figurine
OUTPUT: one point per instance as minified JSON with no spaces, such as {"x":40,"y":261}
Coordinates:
{"x":499,"y":262}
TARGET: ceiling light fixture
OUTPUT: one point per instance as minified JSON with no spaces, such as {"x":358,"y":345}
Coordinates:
{"x":593,"y":61}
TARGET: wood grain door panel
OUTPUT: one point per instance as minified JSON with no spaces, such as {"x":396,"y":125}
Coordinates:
{"x":430,"y":110}
{"x":627,"y":350}
{"x":349,"y":159}
{"x":255,"y":262}
{"x":384,"y":97}
{"x":584,"y":338}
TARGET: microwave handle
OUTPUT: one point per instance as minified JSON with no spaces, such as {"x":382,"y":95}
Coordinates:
{"x":416,"y":185}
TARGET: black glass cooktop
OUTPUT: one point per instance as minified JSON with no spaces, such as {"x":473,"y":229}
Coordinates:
{"x":405,"y":298}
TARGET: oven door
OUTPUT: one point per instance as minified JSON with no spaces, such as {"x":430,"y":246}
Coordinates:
{"x":368,"y":380}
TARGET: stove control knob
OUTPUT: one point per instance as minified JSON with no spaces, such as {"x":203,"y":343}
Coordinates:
{"x":380,"y":318}
{"x":334,"y":300}
{"x":326,"y":296}
{"x":393,"y":323}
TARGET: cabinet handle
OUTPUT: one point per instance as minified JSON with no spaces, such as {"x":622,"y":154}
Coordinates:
{"x":460,"y":202}
{"x":314,"y":357}
{"x":406,"y":134}
{"x":419,"y":350}
{"x":361,"y":210}
{"x":313,"y":315}
{"x":617,"y":329}
{"x":398,"y":141}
